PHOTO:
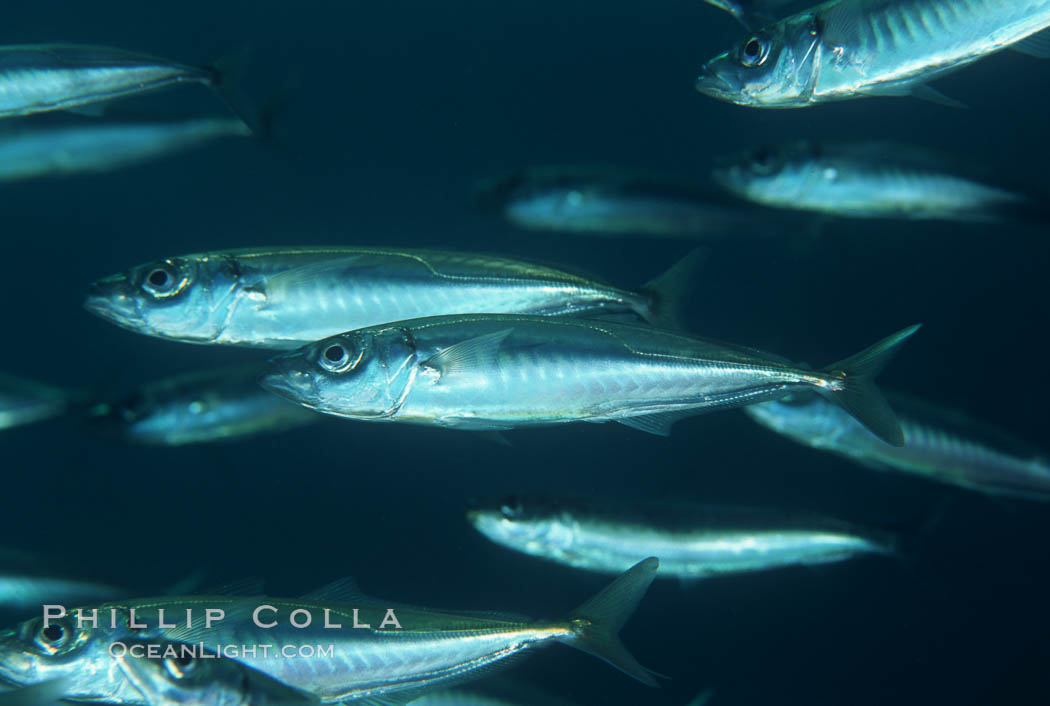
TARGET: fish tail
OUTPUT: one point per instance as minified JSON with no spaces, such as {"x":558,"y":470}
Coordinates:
{"x":858,"y":395}
{"x":667,"y":292}
{"x":595,"y":624}
{"x":226,"y":72}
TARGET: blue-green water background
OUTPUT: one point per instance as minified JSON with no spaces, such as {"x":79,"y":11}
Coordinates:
{"x":396,"y":108}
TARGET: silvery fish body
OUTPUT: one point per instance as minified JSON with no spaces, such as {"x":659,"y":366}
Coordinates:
{"x":596,"y":201}
{"x":285,"y":297}
{"x":25,"y":401}
{"x":216,"y":405}
{"x":371,"y":648}
{"x":36,"y":78}
{"x":694,"y":541}
{"x":176,"y":676}
{"x":87,"y":147}
{"x":505,"y":371}
{"x":852,"y":48}
{"x":866,"y":180}
{"x":939,"y":444}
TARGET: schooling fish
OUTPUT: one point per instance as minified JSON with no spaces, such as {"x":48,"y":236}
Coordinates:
{"x":178,"y":676}
{"x":347,"y":646}
{"x":694,"y":541}
{"x":37,"y":78}
{"x":868,"y":180}
{"x":216,"y":405}
{"x":28,"y":153}
{"x":489,"y":372}
{"x":854,"y":48}
{"x":602,"y":201}
{"x":285,"y":297}
{"x":940,"y":444}
{"x":25,"y":401}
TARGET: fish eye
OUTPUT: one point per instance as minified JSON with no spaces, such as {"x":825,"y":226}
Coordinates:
{"x":511,"y":509}
{"x":764,"y":161}
{"x":180,"y":666}
{"x":339,"y":357}
{"x":53,"y":633}
{"x":162,"y":281}
{"x":754,"y":51}
{"x":53,"y":638}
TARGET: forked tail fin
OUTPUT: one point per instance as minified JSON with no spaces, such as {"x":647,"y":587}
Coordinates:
{"x":595,"y":624}
{"x":858,"y":394}
{"x":667,"y":292}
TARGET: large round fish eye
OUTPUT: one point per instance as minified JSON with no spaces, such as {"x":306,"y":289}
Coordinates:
{"x":764,"y":161}
{"x":339,"y":356}
{"x":53,"y":637}
{"x":754,"y":51}
{"x":162,"y":280}
{"x":180,"y":666}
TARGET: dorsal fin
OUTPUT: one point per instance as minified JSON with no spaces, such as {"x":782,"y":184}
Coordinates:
{"x":251,"y":586}
{"x":344,"y":590}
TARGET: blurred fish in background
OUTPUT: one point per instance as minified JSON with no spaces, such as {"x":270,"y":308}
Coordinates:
{"x":872,"y":180}
{"x":24,"y":401}
{"x":201,"y":407}
{"x":940,"y":444}
{"x":694,"y":541}
{"x":605,"y":201}
{"x":39,"y":150}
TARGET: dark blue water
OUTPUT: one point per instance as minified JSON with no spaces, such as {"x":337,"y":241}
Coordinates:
{"x":395,"y":109}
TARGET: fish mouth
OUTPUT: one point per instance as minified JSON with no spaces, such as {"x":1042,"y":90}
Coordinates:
{"x":712,"y":83}
{"x":284,"y":377}
{"x":107,"y":299}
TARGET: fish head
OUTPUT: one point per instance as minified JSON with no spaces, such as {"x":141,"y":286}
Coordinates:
{"x":773,"y":67}
{"x":771,"y":174}
{"x":171,"y":673}
{"x":180,"y":298}
{"x":804,"y":417}
{"x":362,"y":374}
{"x":66,"y":652}
{"x":528,"y":525}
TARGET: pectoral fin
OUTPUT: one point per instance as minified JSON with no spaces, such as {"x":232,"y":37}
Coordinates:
{"x":469,"y":356}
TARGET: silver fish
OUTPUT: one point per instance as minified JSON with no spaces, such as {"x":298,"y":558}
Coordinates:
{"x":854,"y":48}
{"x":215,"y":405}
{"x":504,"y":371}
{"x":867,"y":180}
{"x":25,"y":401}
{"x":941,"y":445}
{"x":37,"y":78}
{"x":380,"y":650}
{"x":610,"y":202}
{"x":285,"y":297}
{"x":179,"y":676}
{"x":28,"y":153}
{"x":694,"y":541}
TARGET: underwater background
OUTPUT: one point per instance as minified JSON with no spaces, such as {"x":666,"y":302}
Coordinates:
{"x":390,"y":113}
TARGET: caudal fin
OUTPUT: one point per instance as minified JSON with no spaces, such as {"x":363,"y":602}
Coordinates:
{"x":667,"y":292}
{"x":595,"y":624}
{"x":858,"y":394}
{"x":226,"y":74}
